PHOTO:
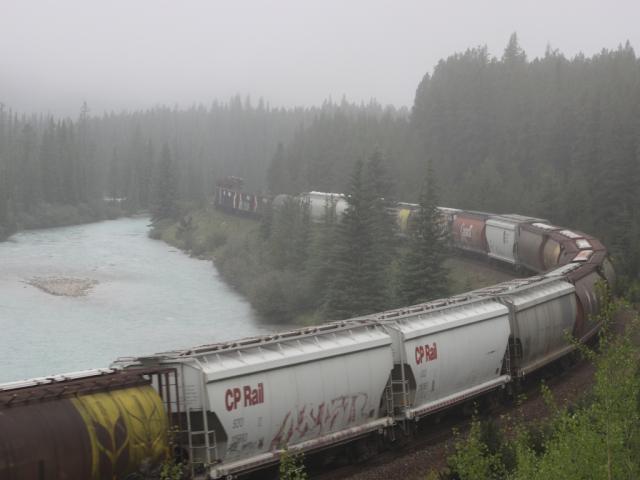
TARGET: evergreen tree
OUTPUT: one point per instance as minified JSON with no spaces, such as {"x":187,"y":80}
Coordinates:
{"x":513,"y":53}
{"x":423,"y":274}
{"x":322,"y":244}
{"x":7,"y":225}
{"x":360,"y":260}
{"x":115,"y":182}
{"x":301,"y":239}
{"x":289,"y":235}
{"x":344,"y":295}
{"x":165,"y":188}
{"x":276,"y":173}
{"x":381,"y":228}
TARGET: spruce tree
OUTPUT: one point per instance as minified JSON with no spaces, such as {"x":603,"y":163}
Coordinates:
{"x":165,"y":188}
{"x":344,"y":294}
{"x":322,"y":243}
{"x":290,"y":235}
{"x":381,"y":229}
{"x":423,"y":274}
{"x":276,"y":173}
{"x":362,"y":253}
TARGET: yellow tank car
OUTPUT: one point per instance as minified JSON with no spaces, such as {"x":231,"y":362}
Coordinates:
{"x":100,"y":427}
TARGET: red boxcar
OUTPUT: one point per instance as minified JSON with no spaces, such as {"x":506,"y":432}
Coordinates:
{"x":468,"y":231}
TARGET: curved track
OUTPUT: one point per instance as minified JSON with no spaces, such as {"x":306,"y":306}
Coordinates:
{"x":235,"y":405}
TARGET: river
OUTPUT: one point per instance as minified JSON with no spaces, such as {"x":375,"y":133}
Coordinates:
{"x":149,"y":297}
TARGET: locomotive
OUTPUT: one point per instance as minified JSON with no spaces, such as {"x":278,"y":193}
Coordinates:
{"x":233,"y":407}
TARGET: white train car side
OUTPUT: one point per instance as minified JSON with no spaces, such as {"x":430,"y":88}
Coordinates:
{"x":453,"y":353}
{"x":299,"y":390}
{"x":319,"y":202}
{"x":502,"y":233}
{"x":543,"y":316}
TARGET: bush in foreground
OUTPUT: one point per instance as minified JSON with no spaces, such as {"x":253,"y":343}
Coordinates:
{"x":596,"y":440}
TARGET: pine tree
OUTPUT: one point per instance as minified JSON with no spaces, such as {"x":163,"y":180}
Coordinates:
{"x":362,"y":253}
{"x":7,"y":225}
{"x":344,"y":295}
{"x":276,"y":173}
{"x":301,"y":238}
{"x":423,"y":274}
{"x":513,"y":53}
{"x":323,"y":240}
{"x":381,"y":230}
{"x":165,"y":188}
{"x":289,"y":235}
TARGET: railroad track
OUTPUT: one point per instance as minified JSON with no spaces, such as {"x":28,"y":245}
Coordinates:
{"x":430,"y":445}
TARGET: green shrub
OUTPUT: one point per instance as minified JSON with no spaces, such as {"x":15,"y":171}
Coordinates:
{"x":215,"y":240}
{"x":291,"y":466}
{"x":597,"y":438}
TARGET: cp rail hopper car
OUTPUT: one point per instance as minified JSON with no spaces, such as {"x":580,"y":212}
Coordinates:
{"x":234,"y":407}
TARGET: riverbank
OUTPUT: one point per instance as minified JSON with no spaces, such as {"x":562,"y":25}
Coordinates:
{"x":45,"y":215}
{"x":243,"y":257}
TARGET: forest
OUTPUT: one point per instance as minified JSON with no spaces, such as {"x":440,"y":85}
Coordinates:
{"x":553,"y":137}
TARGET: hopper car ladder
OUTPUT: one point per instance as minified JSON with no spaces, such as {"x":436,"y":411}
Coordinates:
{"x":201,"y":440}
{"x":165,"y":382}
{"x":399,"y":389}
{"x":396,"y":398}
{"x":208,"y":436}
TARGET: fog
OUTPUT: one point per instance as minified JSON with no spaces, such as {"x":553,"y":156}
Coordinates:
{"x":121,"y":54}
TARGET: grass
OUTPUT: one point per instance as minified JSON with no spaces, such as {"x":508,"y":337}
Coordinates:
{"x":467,"y":274}
{"x":212,"y":230}
{"x":234,"y":244}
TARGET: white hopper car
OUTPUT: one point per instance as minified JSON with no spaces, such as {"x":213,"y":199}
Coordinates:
{"x":309,"y":389}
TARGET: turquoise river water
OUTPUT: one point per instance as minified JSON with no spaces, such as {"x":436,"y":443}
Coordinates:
{"x":148,"y":297}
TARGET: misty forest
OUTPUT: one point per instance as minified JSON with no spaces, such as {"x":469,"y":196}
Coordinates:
{"x":551,"y":137}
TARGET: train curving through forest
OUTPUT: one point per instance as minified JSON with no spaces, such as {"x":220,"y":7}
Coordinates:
{"x":233,"y":407}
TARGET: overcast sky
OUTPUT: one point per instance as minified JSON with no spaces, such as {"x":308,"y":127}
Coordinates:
{"x":118,"y":54}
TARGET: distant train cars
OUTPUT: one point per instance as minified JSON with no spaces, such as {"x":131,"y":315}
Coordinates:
{"x":502,"y":236}
{"x":320,"y":202}
{"x":230,"y":197}
{"x":524,"y":242}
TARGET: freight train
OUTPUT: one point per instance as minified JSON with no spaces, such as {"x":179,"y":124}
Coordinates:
{"x":233,"y":407}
